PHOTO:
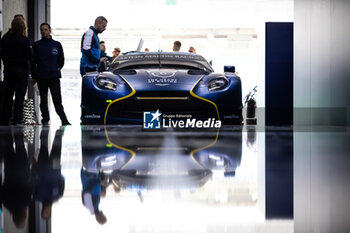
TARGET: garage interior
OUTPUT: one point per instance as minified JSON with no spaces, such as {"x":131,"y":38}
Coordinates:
{"x":288,"y":173}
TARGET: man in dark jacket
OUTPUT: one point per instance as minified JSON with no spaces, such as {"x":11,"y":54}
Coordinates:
{"x":49,"y":60}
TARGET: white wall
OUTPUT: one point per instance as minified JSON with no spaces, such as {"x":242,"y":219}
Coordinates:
{"x":321,"y":80}
{"x":321,"y":59}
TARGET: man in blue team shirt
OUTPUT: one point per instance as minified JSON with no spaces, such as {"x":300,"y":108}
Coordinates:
{"x":90,"y":47}
{"x":49,"y":60}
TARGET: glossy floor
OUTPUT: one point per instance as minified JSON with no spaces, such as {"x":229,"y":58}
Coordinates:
{"x":125,"y":179}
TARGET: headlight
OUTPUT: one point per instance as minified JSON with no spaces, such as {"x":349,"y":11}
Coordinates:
{"x":106,"y":83}
{"x":217,"y":84}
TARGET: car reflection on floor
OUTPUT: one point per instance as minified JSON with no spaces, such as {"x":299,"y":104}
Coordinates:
{"x":139,"y":161}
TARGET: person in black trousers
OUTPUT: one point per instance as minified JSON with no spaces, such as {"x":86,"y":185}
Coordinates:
{"x":17,"y":55}
{"x":49,"y":60}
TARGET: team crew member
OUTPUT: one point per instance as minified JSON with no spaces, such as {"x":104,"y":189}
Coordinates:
{"x":116,"y":53}
{"x":192,"y":50}
{"x":90,"y":47}
{"x":176,"y":46}
{"x":49,"y":60}
{"x":16,"y":54}
{"x":103,"y":65}
{"x":103,"y":50}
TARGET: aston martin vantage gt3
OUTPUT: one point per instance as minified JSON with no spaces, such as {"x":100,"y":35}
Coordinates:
{"x":172,"y":83}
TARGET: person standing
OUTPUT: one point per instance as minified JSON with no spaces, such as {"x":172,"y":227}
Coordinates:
{"x":176,"y":46}
{"x":17,"y":55}
{"x":116,"y":53}
{"x":192,"y":50}
{"x":90,"y":47}
{"x":104,"y":64}
{"x":103,"y":50}
{"x":49,"y":60}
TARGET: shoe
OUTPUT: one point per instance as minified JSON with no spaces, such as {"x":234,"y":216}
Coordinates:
{"x":44,"y":123}
{"x":65,"y":123}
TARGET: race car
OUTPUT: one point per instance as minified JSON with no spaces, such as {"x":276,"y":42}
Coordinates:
{"x":173,"y":83}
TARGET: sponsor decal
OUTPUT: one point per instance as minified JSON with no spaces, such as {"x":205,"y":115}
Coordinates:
{"x":54,"y":51}
{"x":155,"y":120}
{"x":143,"y":57}
{"x":162,"y":78}
{"x":166,"y":81}
{"x":92,"y":116}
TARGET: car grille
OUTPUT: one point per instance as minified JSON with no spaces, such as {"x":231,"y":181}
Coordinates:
{"x":167,"y":103}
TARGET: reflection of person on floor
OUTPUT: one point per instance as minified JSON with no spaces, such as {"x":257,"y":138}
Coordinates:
{"x":139,"y":194}
{"x":17,"y":186}
{"x":49,"y":182}
{"x":93,"y":188}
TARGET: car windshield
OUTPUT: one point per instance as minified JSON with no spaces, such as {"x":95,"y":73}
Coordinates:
{"x":137,"y":60}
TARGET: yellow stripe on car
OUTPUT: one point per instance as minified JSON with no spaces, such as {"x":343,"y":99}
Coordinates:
{"x":201,"y":98}
{"x":217,"y":112}
{"x":119,"y":99}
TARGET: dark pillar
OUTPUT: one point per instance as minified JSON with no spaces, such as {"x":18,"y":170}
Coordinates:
{"x":279,"y":74}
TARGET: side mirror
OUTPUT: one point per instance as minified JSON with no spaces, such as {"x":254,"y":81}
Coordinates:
{"x":230,"y":69}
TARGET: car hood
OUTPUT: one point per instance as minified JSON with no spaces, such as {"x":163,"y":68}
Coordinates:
{"x":162,"y":80}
